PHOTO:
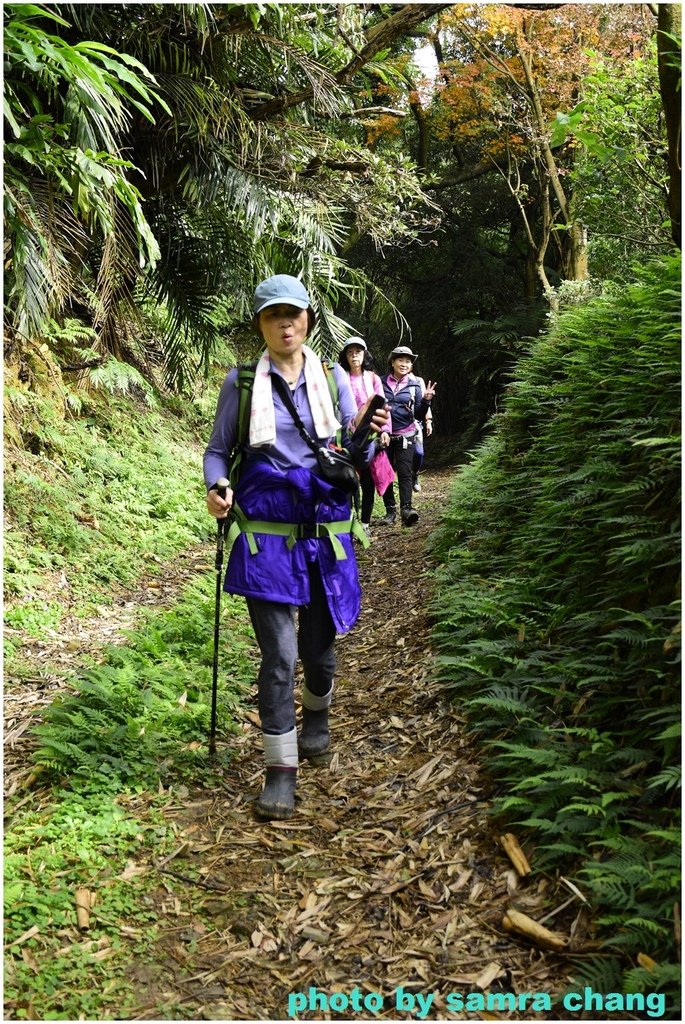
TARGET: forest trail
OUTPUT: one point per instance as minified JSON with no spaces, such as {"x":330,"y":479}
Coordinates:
{"x":389,"y":876}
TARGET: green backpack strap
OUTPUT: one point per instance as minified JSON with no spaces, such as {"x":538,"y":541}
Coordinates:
{"x":335,"y":397}
{"x":244,"y":383}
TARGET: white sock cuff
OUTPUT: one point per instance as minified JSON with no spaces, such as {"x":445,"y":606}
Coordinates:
{"x":313,"y":702}
{"x":281,"y":750}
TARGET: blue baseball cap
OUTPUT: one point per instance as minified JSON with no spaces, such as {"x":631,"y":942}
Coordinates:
{"x":282,"y":288}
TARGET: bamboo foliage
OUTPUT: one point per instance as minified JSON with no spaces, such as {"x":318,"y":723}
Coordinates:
{"x":149,"y":125}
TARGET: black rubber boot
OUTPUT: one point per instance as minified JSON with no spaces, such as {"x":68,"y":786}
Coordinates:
{"x":314,"y":741}
{"x":277,"y":799}
{"x":409,"y":517}
{"x":389,"y":517}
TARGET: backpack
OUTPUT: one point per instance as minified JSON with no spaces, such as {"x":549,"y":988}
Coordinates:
{"x":244,"y":383}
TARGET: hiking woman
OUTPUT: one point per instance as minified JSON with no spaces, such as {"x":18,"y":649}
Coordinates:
{"x":355,"y":359}
{"x":290,"y":534}
{"x":408,"y":402}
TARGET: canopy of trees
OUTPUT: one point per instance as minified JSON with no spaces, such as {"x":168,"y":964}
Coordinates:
{"x":162,"y":158}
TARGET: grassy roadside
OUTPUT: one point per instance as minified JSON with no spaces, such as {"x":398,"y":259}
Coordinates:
{"x":100,"y":493}
{"x":93,"y":502}
{"x":127,"y":741}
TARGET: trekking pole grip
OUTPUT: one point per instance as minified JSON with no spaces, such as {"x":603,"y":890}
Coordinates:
{"x":221,"y":488}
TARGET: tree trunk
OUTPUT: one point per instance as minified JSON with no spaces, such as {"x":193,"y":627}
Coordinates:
{"x":668,"y":22}
{"x":578,"y":267}
{"x":573,"y":244}
{"x":421,"y":125}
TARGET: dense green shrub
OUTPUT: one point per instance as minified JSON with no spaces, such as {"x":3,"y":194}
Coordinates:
{"x":558,"y":609}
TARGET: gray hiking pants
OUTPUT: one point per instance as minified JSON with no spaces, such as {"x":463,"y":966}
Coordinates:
{"x":280,"y":642}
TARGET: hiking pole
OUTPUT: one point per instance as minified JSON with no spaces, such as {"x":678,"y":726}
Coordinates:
{"x":221,"y":485}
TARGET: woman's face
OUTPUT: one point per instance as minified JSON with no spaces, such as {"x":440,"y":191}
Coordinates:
{"x":283,"y":328}
{"x":401,"y":365}
{"x":355,"y":357}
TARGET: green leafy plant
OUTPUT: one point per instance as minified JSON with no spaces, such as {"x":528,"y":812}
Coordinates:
{"x":98,"y":499}
{"x":145,"y":708}
{"x":128,"y":727}
{"x":558,"y":609}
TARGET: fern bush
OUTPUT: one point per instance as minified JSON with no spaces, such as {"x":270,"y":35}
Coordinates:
{"x":557,"y":620}
{"x":143,"y":711}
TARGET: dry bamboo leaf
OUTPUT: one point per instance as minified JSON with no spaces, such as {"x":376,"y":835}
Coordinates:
{"x":574,"y":889}
{"x":515,"y":921}
{"x":427,"y":891}
{"x":647,"y":962}
{"x":511,"y":879}
{"x":26,"y":936}
{"x":103,"y":954}
{"x":443,"y":920}
{"x":461,"y":881}
{"x":424,"y":773}
{"x":29,"y":960}
{"x":488,"y":975}
{"x":183,"y":848}
{"x":308,"y":901}
{"x":319,"y":935}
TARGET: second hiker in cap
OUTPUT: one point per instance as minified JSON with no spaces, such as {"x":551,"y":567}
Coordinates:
{"x":408,"y":403}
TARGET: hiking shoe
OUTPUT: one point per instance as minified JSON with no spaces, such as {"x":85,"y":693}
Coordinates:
{"x":416,"y":485}
{"x":410,"y":517}
{"x":389,"y":518}
{"x":277,"y":799}
{"x":314,"y":741}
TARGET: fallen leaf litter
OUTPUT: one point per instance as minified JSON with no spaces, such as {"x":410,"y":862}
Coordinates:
{"x":391,"y":874}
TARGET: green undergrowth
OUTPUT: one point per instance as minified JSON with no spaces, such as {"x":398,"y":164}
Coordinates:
{"x":143,"y":710}
{"x":558,"y":617}
{"x":126,"y":739}
{"x":94,"y":500}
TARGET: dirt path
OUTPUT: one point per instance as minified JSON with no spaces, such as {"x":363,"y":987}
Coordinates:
{"x":389,"y":877}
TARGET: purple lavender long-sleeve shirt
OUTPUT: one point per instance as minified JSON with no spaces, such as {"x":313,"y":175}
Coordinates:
{"x":289,"y":449}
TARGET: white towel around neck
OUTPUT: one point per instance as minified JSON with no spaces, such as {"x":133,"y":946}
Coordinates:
{"x":262,"y":415}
